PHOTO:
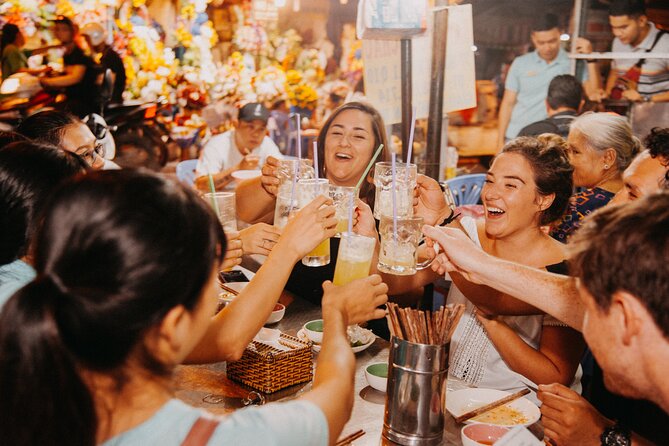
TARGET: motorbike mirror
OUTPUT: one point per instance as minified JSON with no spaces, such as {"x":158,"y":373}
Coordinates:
{"x":107,"y":87}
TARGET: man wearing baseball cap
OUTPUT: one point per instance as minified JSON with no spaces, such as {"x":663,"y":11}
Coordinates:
{"x":244,"y":147}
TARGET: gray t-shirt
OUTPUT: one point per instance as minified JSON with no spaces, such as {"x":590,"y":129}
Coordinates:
{"x":280,"y":424}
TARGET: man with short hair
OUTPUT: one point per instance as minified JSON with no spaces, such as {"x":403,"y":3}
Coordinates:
{"x":638,"y":80}
{"x":563,"y":102}
{"x":241,"y":148}
{"x":528,"y":78}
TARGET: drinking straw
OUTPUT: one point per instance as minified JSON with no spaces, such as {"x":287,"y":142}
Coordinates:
{"x":394,"y":185}
{"x":299,"y":137}
{"x":411,"y":133}
{"x":350,"y":212}
{"x":316,"y":169}
{"x":213,"y":195}
{"x":316,"y":159}
{"x":292,"y":188}
{"x":369,"y":166}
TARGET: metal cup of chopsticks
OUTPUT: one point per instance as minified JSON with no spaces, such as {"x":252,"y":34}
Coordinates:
{"x":416,"y":394}
{"x":417,"y":373}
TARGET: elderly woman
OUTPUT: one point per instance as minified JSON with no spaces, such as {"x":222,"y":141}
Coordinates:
{"x":601,"y":146}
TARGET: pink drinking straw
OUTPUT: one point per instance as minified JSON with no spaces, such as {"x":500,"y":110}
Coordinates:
{"x":316,"y":169}
{"x":394,"y":185}
{"x":411,"y":133}
{"x":299,"y":138}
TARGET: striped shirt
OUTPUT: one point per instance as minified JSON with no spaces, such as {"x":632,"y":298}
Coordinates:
{"x":654,"y":72}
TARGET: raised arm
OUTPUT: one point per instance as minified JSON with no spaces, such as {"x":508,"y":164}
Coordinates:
{"x":233,"y":328}
{"x":551,"y":293}
{"x":506,"y":107}
{"x":334,"y":378}
{"x":256,"y":198}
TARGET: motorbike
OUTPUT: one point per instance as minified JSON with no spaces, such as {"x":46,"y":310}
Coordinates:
{"x":139,"y":138}
{"x":21,"y":96}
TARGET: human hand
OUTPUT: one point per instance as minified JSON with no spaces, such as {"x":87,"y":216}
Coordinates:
{"x":233,"y":252}
{"x":583,"y":46}
{"x":309,"y":227}
{"x":632,"y":95}
{"x":358,"y":301}
{"x":270,"y":176}
{"x":363,"y":220}
{"x":249,"y":162}
{"x":598,"y":96}
{"x":259,"y":238}
{"x":568,"y":418}
{"x":430,"y":203}
{"x":457,"y":252}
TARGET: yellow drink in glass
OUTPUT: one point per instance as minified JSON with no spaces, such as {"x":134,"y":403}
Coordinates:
{"x":354,"y":258}
{"x":342,"y":226}
{"x":347,"y":271}
{"x":319,"y":256}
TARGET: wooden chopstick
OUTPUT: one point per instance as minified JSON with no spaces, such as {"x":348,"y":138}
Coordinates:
{"x":491,"y":406}
{"x":350,"y":438}
{"x":228,"y":289}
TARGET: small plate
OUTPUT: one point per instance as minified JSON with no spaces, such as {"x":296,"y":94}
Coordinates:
{"x":460,"y":401}
{"x":245,"y":174}
{"x":301,"y":335}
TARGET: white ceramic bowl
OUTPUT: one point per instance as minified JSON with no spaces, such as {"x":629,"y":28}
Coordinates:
{"x":377,"y":375}
{"x":241,"y":175}
{"x":481,"y":434}
{"x":277,"y":314}
{"x":459,"y":402}
{"x":314,"y":330}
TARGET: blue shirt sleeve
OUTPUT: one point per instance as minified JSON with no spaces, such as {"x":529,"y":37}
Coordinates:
{"x":513,"y":77}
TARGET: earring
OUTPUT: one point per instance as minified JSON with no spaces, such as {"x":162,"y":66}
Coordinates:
{"x":606,"y":167}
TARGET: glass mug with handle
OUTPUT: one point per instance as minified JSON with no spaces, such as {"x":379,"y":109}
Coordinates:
{"x":341,"y":197}
{"x":399,"y":255}
{"x":405,"y":183}
{"x":286,"y":199}
{"x":307,"y":191}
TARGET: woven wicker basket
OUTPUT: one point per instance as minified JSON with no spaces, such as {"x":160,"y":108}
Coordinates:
{"x":268,"y":369}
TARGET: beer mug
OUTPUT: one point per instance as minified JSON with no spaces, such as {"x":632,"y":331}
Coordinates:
{"x":399,"y":255}
{"x":405,"y":183}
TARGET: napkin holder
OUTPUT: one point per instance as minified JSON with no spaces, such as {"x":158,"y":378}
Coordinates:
{"x":268,"y":369}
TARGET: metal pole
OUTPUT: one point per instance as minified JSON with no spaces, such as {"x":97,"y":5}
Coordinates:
{"x":406,"y":95}
{"x":437,"y":81}
{"x":578,"y":13}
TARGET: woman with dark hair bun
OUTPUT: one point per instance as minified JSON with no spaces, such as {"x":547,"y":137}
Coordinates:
{"x":126,"y":288}
{"x":28,"y":174}
{"x":527,"y":187}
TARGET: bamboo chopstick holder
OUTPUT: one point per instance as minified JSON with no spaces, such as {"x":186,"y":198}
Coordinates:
{"x":491,"y":406}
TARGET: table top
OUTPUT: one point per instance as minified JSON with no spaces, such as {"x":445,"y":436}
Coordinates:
{"x":207,"y":387}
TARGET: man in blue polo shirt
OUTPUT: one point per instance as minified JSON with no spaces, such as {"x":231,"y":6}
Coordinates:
{"x":528,"y":79}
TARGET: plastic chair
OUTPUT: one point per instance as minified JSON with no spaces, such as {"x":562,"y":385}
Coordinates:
{"x":186,"y":171}
{"x":466,"y":189}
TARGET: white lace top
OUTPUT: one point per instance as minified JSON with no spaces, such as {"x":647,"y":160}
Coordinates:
{"x":474,"y":358}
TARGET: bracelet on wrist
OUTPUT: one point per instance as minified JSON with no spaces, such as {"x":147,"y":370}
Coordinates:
{"x":451,"y":217}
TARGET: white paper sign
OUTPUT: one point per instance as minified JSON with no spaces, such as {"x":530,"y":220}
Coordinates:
{"x":382,"y":59}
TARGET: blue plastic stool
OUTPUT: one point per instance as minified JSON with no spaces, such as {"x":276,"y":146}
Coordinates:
{"x":466,"y":189}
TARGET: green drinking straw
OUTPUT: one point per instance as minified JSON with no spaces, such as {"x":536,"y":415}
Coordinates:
{"x":369,"y":166}
{"x":213,"y":196}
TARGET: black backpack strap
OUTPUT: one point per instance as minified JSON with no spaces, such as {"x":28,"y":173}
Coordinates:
{"x":657,"y":39}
